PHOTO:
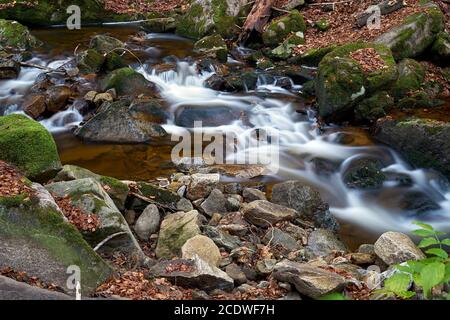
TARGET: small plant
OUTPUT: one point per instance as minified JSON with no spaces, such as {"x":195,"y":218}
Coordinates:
{"x":426,"y":273}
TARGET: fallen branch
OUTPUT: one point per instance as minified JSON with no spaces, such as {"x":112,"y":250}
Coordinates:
{"x":256,"y":20}
{"x":108,"y":239}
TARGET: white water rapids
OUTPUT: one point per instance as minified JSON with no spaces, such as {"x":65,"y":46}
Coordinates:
{"x":300,"y":142}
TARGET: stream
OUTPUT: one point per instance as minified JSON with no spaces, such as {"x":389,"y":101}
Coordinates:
{"x":317,"y":157}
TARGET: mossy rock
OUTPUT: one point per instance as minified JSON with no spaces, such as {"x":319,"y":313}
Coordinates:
{"x":29,"y":146}
{"x":365,"y":174}
{"x":245,"y":81}
{"x":415,"y":34}
{"x":160,"y":25}
{"x":90,"y":61}
{"x":322,"y":24}
{"x":342,"y":83}
{"x":41,"y":243}
{"x":278,"y":29}
{"x":417,"y":100}
{"x":311,"y":57}
{"x":374,"y":107}
{"x":127,"y":81}
{"x":441,"y":48}
{"x":14,"y":35}
{"x":214,"y":46}
{"x":285,"y":50}
{"x":106,"y":44}
{"x":410,"y":78}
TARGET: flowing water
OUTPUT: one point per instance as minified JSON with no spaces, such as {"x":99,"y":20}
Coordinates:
{"x":319,"y":157}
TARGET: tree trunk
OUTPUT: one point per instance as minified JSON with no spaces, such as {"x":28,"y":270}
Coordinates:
{"x":257,"y":19}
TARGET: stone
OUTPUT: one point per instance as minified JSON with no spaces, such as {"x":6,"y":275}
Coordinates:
{"x":235,"y":273}
{"x":396,"y":247}
{"x":127,"y":82}
{"x":285,"y":49}
{"x":105,"y":44}
{"x":201,"y":185}
{"x":162,"y":196}
{"x":276,"y":237}
{"x":292,"y":4}
{"x":101,"y":98}
{"x":14,"y":35}
{"x":251,"y":195}
{"x":415,"y":34}
{"x":374,"y":107}
{"x":441,"y":48}
{"x":278,"y":29}
{"x":364,"y":173}
{"x":57,"y":98}
{"x":306,"y":201}
{"x":186,"y":116}
{"x":323,"y":243}
{"x":90,"y":61}
{"x":232,"y":204}
{"x":122,"y":122}
{"x":411,"y":75}
{"x":215,"y":203}
{"x":222,"y":239}
{"x":310,"y":281}
{"x":159,"y":25}
{"x":264,"y":213}
{"x":212,"y":46}
{"x":204,"y":248}
{"x":366,"y":248}
{"x":9,"y":67}
{"x":11,"y":290}
{"x":147,"y":223}
{"x":266,"y":266}
{"x":26,"y":144}
{"x":175,"y":230}
{"x":34,"y":105}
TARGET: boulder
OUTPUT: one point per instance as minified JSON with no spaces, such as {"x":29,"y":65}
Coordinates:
{"x":411,"y":75}
{"x":194,"y":273}
{"x":441,"y":48}
{"x":264,"y":213}
{"x":277,"y":237}
{"x":285,"y":49}
{"x":127,"y":82}
{"x":186,"y":116}
{"x":364,"y":173}
{"x":278,"y":29}
{"x":250,"y":195}
{"x":323,"y":242}
{"x":11,"y":290}
{"x":310,"y":281}
{"x":415,"y":34}
{"x":51,"y":244}
{"x":9,"y":66}
{"x":176,"y":229}
{"x":204,"y":17}
{"x":105,"y":44}
{"x":162,"y":196}
{"x":374,"y":107}
{"x":201,"y":185}
{"x":159,"y":25}
{"x":222,"y":239}
{"x":306,"y":201}
{"x":29,"y":146}
{"x":14,"y":35}
{"x":396,"y":247}
{"x":342,"y":83}
{"x":57,"y":98}
{"x":204,"y":248}
{"x":215,"y":203}
{"x":236,"y":273}
{"x":34,"y":105}
{"x":424,"y":142}
{"x":292,"y":4}
{"x":212,"y":46}
{"x":147,"y":223}
{"x":122,"y":122}
{"x":90,"y":61}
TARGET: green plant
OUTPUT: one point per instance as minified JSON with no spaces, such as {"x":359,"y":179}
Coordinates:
{"x":426,"y":273}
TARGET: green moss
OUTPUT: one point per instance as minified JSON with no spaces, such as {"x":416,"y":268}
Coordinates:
{"x":15,"y":35}
{"x":213,"y":45}
{"x":90,"y":61}
{"x":374,"y":107}
{"x":277,"y":30}
{"x":312,"y":57}
{"x":411,"y":76}
{"x":29,"y":146}
{"x":125,"y":81}
{"x":322,"y":24}
{"x":15,"y":201}
{"x":192,"y":24}
{"x":224,"y":24}
{"x":365,"y":174}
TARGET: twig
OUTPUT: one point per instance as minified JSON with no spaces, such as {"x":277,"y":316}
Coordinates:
{"x":107,"y":239}
{"x":33,"y":65}
{"x":280,"y":10}
{"x":143,"y":198}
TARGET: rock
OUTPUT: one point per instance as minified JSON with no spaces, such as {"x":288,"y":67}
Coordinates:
{"x":210,"y":117}
{"x":310,"y":281}
{"x":205,"y":17}
{"x":364,"y":173}
{"x":359,"y":258}
{"x":161,"y":196}
{"x":285,"y":49}
{"x":374,"y":107}
{"x":128,"y":82}
{"x":415,"y":34}
{"x":250,"y":195}
{"x":9,"y":67}
{"x":233,"y":204}
{"x":266,"y":266}
{"x":367,"y":248}
{"x":90,"y":61}
{"x":212,"y":46}
{"x":341,"y":82}
{"x":14,"y":35}
{"x":243,"y":82}
{"x":204,"y":248}
{"x":264,"y":213}
{"x":57,"y":98}
{"x":396,"y":247}
{"x":194,"y":273}
{"x":34,"y":105}
{"x":323,"y":243}
{"x":215,"y":203}
{"x":201,"y":185}
{"x":88,"y":195}
{"x":276,"y":237}
{"x":235,"y":273}
{"x":175,"y":230}
{"x":411,"y":75}
{"x":292,"y":4}
{"x":11,"y":290}
{"x":130,"y":217}
{"x":52,"y":244}
{"x":424,"y":142}
{"x":312,"y":57}
{"x":117,"y":190}
{"x":101,"y":98}
{"x":147,"y":223}
{"x":29,"y":146}
{"x":222,"y":239}
{"x":121,"y":122}
{"x":306,"y":201}
{"x":441,"y":48}
{"x":159,"y":25}
{"x":278,"y":29}
{"x":105,"y":44}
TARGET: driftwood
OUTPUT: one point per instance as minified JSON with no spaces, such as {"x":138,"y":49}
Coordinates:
{"x":256,"y":20}
{"x":386,"y":7}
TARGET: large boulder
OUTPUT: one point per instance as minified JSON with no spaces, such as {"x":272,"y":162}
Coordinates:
{"x":278,"y":29}
{"x":415,"y":34}
{"x":89,"y":195}
{"x":16,"y":36}
{"x":396,"y":247}
{"x":28,"y":145}
{"x":342,"y":81}
{"x":121,"y":122}
{"x":36,"y":239}
{"x":205,"y":17}
{"x":424,"y":142}
{"x":128,"y":82}
{"x":176,"y":229}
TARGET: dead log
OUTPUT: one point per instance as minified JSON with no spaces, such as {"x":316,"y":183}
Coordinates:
{"x":386,"y":7}
{"x":256,"y":20}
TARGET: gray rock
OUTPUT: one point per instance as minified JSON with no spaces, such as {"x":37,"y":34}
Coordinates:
{"x":396,"y":247}
{"x":222,"y":239}
{"x":201,"y":185}
{"x":148,"y":222}
{"x":264,"y":213}
{"x":250,"y":195}
{"x":323,"y":242}
{"x":13,"y":290}
{"x":204,"y":248}
{"x":265,"y":266}
{"x":310,"y":281}
{"x":235,"y":273}
{"x":276,"y":237}
{"x":210,"y":117}
{"x":160,"y":25}
{"x":232,"y":204}
{"x":215,"y":203}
